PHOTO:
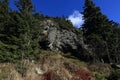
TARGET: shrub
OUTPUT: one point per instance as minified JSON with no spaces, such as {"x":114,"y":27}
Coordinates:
{"x":115,"y":75}
{"x":99,"y":76}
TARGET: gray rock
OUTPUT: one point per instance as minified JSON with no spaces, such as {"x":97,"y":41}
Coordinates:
{"x":58,"y":39}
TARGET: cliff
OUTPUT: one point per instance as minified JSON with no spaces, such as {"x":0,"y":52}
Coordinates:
{"x":62,"y":39}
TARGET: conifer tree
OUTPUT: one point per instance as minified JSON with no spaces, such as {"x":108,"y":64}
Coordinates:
{"x":97,"y":31}
{"x":7,"y":31}
{"x":24,"y":6}
{"x":27,"y":27}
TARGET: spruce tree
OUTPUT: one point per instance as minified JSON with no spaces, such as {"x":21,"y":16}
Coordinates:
{"x":24,"y":6}
{"x":115,"y":43}
{"x":97,"y":31}
{"x":28,"y":28}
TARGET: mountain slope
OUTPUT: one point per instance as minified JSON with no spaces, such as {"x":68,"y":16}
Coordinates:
{"x":51,"y":66}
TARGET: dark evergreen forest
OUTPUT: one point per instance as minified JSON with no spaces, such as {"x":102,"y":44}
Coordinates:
{"x":20,"y":30}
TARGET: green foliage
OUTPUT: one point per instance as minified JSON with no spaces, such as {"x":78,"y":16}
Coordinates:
{"x":115,"y":75}
{"x":18,"y":32}
{"x":4,"y":6}
{"x":99,"y":76}
{"x":21,"y":67}
{"x":24,"y":6}
{"x":99,"y":32}
{"x":63,"y":23}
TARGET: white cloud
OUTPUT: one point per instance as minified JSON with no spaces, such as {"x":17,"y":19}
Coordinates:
{"x":76,"y":19}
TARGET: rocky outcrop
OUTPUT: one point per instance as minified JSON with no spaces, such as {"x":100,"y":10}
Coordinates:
{"x":61,"y":38}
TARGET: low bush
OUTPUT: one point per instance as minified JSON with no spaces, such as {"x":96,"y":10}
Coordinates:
{"x":115,"y":75}
{"x":99,"y":76}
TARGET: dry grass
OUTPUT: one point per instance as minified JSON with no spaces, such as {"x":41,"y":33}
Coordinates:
{"x":8,"y":72}
{"x":53,"y":66}
{"x":104,"y":69}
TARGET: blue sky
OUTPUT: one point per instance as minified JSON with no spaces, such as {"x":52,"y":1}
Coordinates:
{"x":71,"y":8}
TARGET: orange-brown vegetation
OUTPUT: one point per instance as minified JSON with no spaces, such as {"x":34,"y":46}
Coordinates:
{"x":53,"y":67}
{"x":101,"y":68}
{"x":85,"y":74}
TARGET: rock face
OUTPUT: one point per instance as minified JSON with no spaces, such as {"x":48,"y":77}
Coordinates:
{"x":61,"y":39}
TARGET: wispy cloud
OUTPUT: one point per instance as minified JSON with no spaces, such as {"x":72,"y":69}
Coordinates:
{"x":76,"y":19}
